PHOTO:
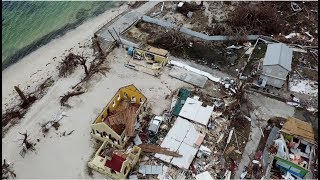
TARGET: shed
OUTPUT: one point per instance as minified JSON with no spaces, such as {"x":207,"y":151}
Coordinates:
{"x":277,"y":64}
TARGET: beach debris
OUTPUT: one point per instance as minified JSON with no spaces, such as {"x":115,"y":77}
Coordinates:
{"x":65,"y":98}
{"x":26,"y":100}
{"x":26,"y":145}
{"x":152,"y":148}
{"x":68,"y":64}
{"x":64,"y":133}
{"x":7,"y":170}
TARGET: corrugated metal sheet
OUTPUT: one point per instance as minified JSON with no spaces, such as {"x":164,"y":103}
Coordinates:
{"x":150,"y":169}
{"x":182,"y":138}
{"x":194,"y":111}
{"x":278,"y":53}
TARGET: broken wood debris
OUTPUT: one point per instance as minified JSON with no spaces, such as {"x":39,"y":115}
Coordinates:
{"x":152,"y":148}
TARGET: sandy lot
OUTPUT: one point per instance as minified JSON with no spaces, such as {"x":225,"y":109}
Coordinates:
{"x":68,"y":155}
{"x":58,"y":156}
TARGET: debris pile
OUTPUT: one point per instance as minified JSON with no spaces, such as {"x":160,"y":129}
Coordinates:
{"x":7,"y":171}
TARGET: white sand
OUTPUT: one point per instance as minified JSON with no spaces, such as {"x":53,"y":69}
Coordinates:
{"x":66,"y":157}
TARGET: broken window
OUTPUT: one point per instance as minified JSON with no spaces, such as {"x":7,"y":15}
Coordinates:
{"x":119,"y":97}
{"x":104,"y":134}
{"x":133,"y":99}
{"x":113,"y":104}
{"x":125,"y":95}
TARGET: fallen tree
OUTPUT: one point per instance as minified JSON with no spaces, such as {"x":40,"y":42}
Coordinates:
{"x":65,"y":98}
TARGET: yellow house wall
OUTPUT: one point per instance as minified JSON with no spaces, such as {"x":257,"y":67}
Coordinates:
{"x":158,"y":58}
{"x":98,"y":163}
{"x":102,"y":127}
{"x":114,"y":102}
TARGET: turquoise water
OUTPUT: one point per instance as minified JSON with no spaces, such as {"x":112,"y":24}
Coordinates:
{"x":27,"y":25}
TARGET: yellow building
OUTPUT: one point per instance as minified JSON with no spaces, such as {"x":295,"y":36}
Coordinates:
{"x":154,"y":54}
{"x":115,"y":123}
{"x":114,"y":163}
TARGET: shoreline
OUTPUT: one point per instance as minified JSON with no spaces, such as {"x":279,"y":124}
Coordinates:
{"x":41,"y":63}
{"x":23,"y":52}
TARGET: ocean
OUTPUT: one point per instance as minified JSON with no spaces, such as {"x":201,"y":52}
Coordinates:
{"x":26,"y":25}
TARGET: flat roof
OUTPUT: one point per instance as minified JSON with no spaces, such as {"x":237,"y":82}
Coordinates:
{"x":183,"y":138}
{"x":194,"y":111}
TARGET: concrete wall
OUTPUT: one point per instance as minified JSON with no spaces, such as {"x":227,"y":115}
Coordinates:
{"x":98,"y":163}
{"x":101,"y":131}
{"x":187,"y":31}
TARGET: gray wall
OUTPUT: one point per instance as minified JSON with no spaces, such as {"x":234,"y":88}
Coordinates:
{"x":187,"y":31}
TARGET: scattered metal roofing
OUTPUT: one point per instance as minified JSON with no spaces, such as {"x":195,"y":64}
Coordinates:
{"x":299,"y":128}
{"x":194,"y":111}
{"x":150,"y":169}
{"x":183,"y":138}
{"x":278,"y":54}
{"x":183,"y":95}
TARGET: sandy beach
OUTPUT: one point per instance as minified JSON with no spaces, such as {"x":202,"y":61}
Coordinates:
{"x":59,"y":156}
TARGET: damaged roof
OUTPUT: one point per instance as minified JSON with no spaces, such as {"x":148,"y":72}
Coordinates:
{"x":183,"y":138}
{"x":302,"y":129}
{"x":194,"y":111}
{"x":278,"y":54}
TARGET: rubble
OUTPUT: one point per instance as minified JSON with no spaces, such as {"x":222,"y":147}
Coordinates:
{"x":157,"y":149}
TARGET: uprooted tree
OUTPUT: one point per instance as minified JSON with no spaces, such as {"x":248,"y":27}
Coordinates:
{"x":25,"y":143}
{"x":70,"y":62}
{"x":7,"y":172}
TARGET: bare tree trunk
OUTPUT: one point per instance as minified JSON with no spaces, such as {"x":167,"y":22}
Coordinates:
{"x":26,"y":142}
{"x":21,"y":94}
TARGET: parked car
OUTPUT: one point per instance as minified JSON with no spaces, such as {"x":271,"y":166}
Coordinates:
{"x":154,"y":125}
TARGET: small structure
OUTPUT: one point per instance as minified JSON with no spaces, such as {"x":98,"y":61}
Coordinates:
{"x":183,"y":138}
{"x":113,"y":163}
{"x":296,"y":151}
{"x":116,"y":121}
{"x":276,"y":64}
{"x":148,"y":59}
{"x":194,"y":111}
